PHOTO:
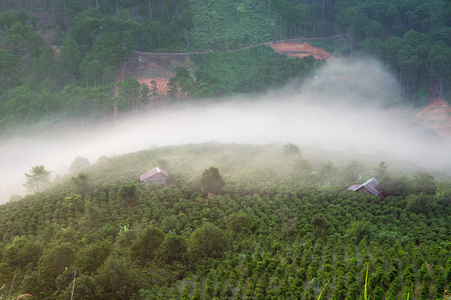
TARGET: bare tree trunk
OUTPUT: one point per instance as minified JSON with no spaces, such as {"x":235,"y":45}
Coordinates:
{"x":65,"y":15}
{"x":73,"y":285}
{"x":150,"y":9}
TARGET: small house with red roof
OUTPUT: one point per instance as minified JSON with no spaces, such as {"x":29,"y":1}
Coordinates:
{"x":156,"y":175}
{"x":369,"y":187}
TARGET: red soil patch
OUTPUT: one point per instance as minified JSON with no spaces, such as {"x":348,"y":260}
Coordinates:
{"x":294,"y":49}
{"x":155,"y":67}
{"x":436,"y":116}
{"x":162,"y":84}
{"x":56,"y":51}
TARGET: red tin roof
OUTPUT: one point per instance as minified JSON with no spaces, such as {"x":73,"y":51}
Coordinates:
{"x":152,"y":173}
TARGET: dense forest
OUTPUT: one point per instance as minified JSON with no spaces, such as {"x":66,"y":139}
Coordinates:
{"x":60,"y":60}
{"x":283,"y":229}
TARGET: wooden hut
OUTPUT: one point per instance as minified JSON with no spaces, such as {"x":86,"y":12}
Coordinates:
{"x":369,"y":187}
{"x":156,"y":175}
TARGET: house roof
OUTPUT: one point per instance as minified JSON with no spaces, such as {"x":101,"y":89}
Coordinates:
{"x":211,"y":142}
{"x":370,"y":185}
{"x":153,"y":172}
{"x":353,"y":187}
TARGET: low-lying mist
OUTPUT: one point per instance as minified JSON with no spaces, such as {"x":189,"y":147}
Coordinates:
{"x":347,"y":106}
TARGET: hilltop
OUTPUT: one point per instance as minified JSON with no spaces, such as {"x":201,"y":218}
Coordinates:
{"x":282,"y":228}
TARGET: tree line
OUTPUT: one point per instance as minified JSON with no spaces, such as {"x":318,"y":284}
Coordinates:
{"x":411,"y":37}
{"x":78,"y":78}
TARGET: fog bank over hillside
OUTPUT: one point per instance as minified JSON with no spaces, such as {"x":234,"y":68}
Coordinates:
{"x":345,"y":107}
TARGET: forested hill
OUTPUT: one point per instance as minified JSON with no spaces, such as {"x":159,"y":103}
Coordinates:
{"x":61,"y":59}
{"x":281,"y":225}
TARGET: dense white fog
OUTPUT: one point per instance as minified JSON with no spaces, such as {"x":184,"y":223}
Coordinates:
{"x":347,"y":106}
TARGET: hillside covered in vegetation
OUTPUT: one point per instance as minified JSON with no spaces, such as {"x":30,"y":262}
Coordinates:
{"x":234,"y":221}
{"x":282,"y":226}
{"x":62,"y":60}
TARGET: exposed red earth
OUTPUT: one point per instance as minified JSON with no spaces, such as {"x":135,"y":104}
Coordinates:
{"x":158,"y":67}
{"x":437,"y":115}
{"x":295,"y":49}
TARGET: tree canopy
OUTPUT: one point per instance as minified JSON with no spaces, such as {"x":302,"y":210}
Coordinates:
{"x":37,"y":179}
{"x":212,"y":181}
{"x":68,"y":60}
{"x":266,"y":234}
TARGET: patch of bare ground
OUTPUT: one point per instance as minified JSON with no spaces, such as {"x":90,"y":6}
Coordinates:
{"x":436,"y":116}
{"x":158,"y":67}
{"x":295,"y":49}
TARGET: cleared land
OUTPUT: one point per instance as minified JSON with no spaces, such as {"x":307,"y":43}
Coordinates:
{"x":230,"y":68}
{"x":295,"y":49}
{"x":148,"y":67}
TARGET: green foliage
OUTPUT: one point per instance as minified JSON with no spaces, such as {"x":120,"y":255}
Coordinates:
{"x":424,"y":183}
{"x":145,"y":246}
{"x":291,"y":149}
{"x":230,"y":25}
{"x":76,"y":80}
{"x":268,"y":234}
{"x":49,"y":267}
{"x":418,"y":203}
{"x":208,"y":241}
{"x":212,"y":181}
{"x":91,"y":257}
{"x":232,"y":68}
{"x":78,"y":164}
{"x":21,"y":252}
{"x":132,"y":95}
{"x":173,"y":248}
{"x":127,"y":194}
{"x":37,"y":179}
{"x":238,"y":222}
{"x":277,"y":71}
{"x":117,"y":278}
